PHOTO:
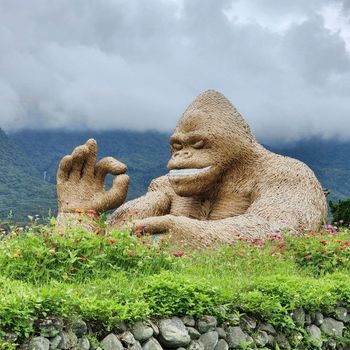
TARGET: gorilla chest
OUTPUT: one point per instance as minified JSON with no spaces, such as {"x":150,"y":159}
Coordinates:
{"x":224,"y":206}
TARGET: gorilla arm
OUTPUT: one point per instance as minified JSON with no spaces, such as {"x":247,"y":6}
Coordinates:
{"x":282,"y":202}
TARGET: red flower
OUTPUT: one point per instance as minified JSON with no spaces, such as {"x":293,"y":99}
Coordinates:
{"x":139,"y":228}
{"x":308,"y":257}
{"x":131,"y":254}
{"x":324,"y":243}
{"x":112,"y":241}
{"x":178,"y":254}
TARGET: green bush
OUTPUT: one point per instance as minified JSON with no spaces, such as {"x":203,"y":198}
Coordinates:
{"x":42,"y":254}
{"x":340,"y":212}
{"x":109,"y":278}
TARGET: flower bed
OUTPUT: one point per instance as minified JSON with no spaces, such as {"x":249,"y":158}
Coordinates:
{"x":107,"y":279}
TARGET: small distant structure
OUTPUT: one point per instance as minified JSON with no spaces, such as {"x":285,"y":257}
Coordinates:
{"x":45,"y":174}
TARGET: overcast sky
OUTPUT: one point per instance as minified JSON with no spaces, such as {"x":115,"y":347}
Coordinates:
{"x":137,"y":64}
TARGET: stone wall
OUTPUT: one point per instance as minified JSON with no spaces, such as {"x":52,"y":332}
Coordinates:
{"x":320,"y":331}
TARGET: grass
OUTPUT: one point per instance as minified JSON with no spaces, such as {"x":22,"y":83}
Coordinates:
{"x":120,"y":276}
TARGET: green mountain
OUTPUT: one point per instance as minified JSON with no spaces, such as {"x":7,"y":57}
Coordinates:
{"x":36,"y":158}
{"x":22,"y":192}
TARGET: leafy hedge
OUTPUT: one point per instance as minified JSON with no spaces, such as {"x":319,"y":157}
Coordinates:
{"x":119,"y":276}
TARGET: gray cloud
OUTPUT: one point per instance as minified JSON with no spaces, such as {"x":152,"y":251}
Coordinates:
{"x":138,"y":64}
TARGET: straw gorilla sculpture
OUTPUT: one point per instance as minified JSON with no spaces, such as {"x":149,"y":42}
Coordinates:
{"x":221,"y":183}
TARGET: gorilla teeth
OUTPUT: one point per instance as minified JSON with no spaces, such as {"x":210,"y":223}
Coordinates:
{"x":188,"y":172}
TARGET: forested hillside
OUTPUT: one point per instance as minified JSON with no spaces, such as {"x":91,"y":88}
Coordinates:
{"x":22,"y":192}
{"x":28,"y":178}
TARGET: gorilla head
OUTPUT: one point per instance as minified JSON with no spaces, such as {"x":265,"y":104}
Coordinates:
{"x":210,"y":138}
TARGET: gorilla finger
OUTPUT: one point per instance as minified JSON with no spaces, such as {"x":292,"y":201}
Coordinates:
{"x":109,"y":165}
{"x":90,"y":162}
{"x":64,"y":169}
{"x":116,"y":195}
{"x":157,"y":224}
{"x":79,"y":156}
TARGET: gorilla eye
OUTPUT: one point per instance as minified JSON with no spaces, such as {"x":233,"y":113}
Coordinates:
{"x":177,"y":146}
{"x":198,"y":144}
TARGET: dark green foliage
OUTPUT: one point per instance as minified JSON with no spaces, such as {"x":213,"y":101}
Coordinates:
{"x":340,"y":212}
{"x":22,"y":192}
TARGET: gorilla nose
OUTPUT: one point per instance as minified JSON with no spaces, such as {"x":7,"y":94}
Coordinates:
{"x":182,"y":154}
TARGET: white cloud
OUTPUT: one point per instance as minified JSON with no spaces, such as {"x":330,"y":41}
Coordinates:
{"x":131,"y":64}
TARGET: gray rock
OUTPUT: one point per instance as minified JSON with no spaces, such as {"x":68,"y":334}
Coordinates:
{"x":83,"y":344}
{"x":315,"y":334}
{"x":189,"y":321}
{"x":68,"y":340}
{"x":209,"y":340}
{"x":152,"y":344}
{"x":173,"y":333}
{"x":194,"y":334}
{"x":299,"y":317}
{"x":221,"y":332}
{"x":282,"y":341}
{"x":261,"y":339}
{"x":181,"y":349}
{"x":127,"y":338}
{"x":9,"y":337}
{"x":196,"y":345}
{"x":332,"y":344}
{"x":55,"y":342}
{"x":207,"y":324}
{"x":142,"y":331}
{"x":154,"y":327}
{"x":111,"y":342}
{"x":120,"y":327}
{"x":221,"y":345}
{"x":341,"y":313}
{"x":332,"y":327}
{"x":236,"y":337}
{"x":267,"y":327}
{"x":317,"y":318}
{"x":79,"y":327}
{"x":39,"y":343}
{"x":50,"y":327}
{"x":136,"y":346}
{"x":247,"y":323}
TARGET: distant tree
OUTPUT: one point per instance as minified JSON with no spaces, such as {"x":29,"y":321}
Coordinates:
{"x":341,"y":212}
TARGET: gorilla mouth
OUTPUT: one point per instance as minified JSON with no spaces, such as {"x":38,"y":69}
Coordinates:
{"x":188,"y":171}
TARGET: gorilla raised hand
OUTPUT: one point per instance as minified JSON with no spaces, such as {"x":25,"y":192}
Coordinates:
{"x":80,"y":181}
{"x":221,"y":183}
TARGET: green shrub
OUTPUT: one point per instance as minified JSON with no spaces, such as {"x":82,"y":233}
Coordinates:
{"x":42,"y":254}
{"x":109,"y":278}
{"x":340,"y":212}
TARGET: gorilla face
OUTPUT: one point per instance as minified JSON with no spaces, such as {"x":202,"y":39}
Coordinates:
{"x":210,"y":138}
{"x":196,"y":163}
{"x":193,"y":170}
